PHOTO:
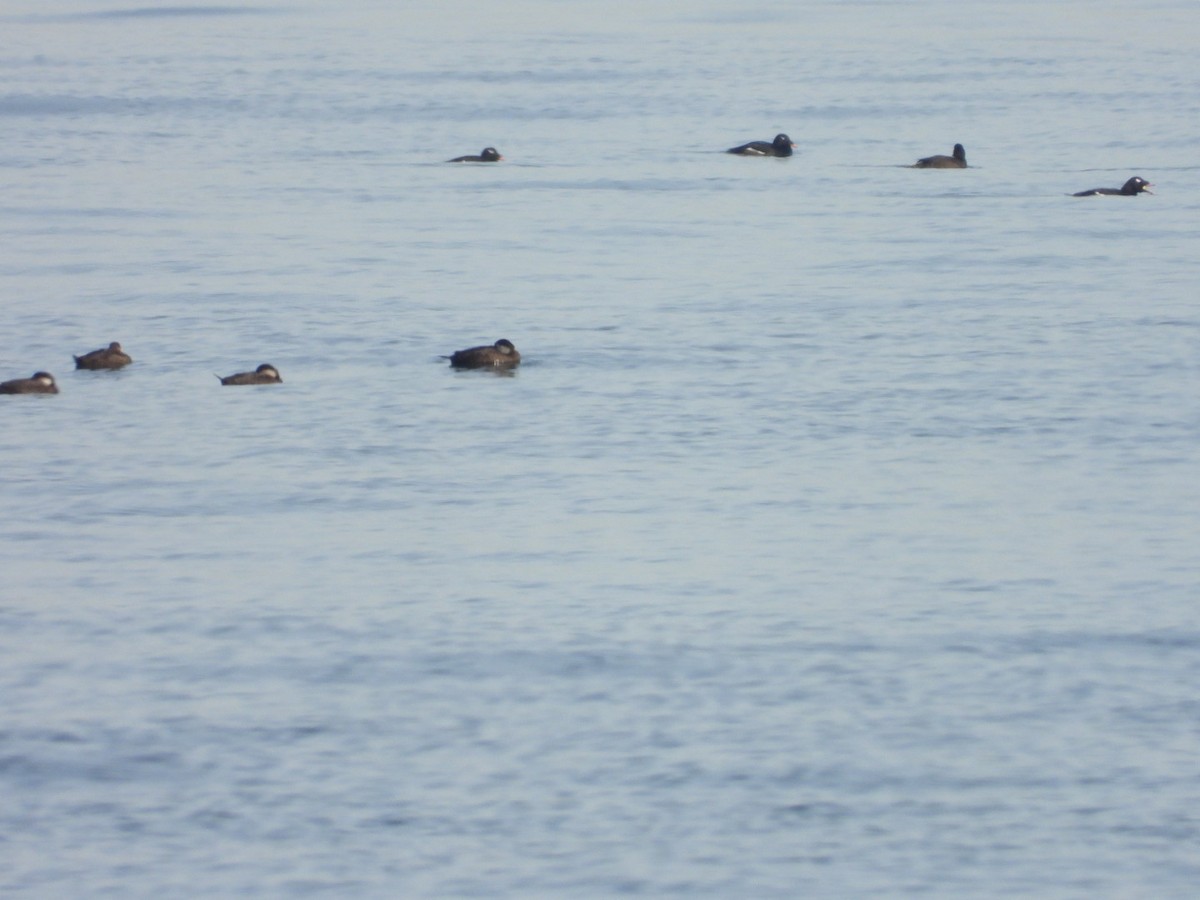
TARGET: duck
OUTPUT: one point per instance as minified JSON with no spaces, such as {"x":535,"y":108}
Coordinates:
{"x":264,"y":374}
{"x":110,"y":357}
{"x":1134,"y":186}
{"x":40,"y":383}
{"x":501,"y":354}
{"x":958,"y":160}
{"x":489,"y":154}
{"x":781,"y":146}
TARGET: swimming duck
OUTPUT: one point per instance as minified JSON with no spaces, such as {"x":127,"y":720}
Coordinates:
{"x":1134,"y":186}
{"x":501,"y":354}
{"x":489,"y":154}
{"x":957,"y":161}
{"x":781,"y":146}
{"x":40,"y":383}
{"x":110,"y":357}
{"x":264,"y":374}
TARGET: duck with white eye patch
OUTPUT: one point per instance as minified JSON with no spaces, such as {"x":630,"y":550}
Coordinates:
{"x":1134,"y":186}
{"x":40,"y":383}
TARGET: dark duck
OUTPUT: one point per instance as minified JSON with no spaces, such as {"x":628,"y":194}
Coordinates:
{"x":110,"y":357}
{"x":489,"y":154}
{"x":500,"y":355}
{"x":264,"y":374}
{"x":781,"y":146}
{"x":1134,"y":186}
{"x":40,"y":383}
{"x":957,"y":160}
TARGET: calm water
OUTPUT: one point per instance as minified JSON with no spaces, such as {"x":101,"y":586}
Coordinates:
{"x":838,"y":536}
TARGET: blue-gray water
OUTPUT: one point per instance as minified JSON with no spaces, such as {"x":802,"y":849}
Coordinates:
{"x":838,"y":536}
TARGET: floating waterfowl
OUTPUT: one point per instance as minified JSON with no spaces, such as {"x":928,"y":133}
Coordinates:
{"x":781,"y":146}
{"x":40,"y":383}
{"x":1134,"y":186}
{"x":957,"y":161}
{"x":110,"y":357}
{"x":501,"y":354}
{"x":264,"y":374}
{"x":489,"y":154}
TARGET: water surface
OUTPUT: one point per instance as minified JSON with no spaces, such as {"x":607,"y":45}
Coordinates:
{"x":835,"y":538}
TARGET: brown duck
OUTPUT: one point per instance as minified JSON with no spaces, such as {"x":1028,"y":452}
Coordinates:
{"x":110,"y":357}
{"x":40,"y":383}
{"x":501,"y":354}
{"x":264,"y":374}
{"x":958,"y":160}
